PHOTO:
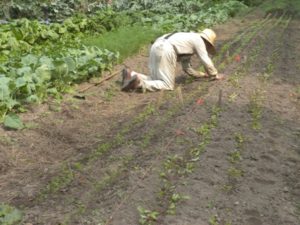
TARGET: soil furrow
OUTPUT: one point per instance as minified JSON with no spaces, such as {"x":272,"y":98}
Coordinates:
{"x":165,"y":206}
{"x":252,"y":169}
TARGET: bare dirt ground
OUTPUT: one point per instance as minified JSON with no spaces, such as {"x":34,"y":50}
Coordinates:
{"x":219,"y":153}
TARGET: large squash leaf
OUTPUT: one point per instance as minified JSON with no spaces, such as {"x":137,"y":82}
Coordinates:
{"x":13,"y":121}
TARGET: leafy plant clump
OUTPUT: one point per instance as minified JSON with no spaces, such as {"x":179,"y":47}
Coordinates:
{"x":147,"y":217}
{"x":48,"y":9}
{"x":58,"y":10}
{"x":38,"y":60}
{"x":31,"y":78}
{"x":178,"y":15}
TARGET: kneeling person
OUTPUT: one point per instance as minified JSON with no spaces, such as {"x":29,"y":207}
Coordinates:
{"x":165,"y":52}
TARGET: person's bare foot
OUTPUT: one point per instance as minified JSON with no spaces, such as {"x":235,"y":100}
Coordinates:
{"x":131,"y":84}
{"x":126,"y":75}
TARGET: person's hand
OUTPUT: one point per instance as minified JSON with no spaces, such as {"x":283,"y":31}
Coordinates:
{"x":220,"y":76}
{"x":202,"y":74}
{"x":196,"y":74}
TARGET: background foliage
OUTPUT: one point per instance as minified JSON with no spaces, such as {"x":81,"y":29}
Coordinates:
{"x":55,"y":10}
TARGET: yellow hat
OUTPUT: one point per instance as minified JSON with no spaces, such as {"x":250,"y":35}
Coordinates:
{"x":209,"y":36}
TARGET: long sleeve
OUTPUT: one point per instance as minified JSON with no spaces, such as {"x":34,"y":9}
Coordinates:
{"x":205,"y":59}
{"x":187,"y":67}
{"x":192,"y":43}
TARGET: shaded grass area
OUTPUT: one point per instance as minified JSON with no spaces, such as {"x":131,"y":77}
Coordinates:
{"x":125,"y":40}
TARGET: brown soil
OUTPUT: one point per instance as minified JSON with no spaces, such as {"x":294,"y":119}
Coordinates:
{"x":96,"y":160}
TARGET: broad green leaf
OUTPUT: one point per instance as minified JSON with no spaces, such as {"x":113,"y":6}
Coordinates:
{"x":61,"y":68}
{"x":92,"y":70}
{"x":83,"y":23}
{"x":4,"y":88}
{"x":24,"y":71}
{"x":62,"y":30}
{"x":43,"y":73}
{"x":30,"y":39}
{"x":82,"y":60}
{"x":52,"y":91}
{"x":3,"y":69}
{"x":25,"y":46}
{"x":49,"y":33}
{"x":53,"y":35}
{"x":3,"y":58}
{"x":47,"y":61}
{"x":18,"y":34}
{"x":29,"y":60}
{"x":32,"y":99}
{"x":11,"y":103}
{"x":71,"y":63}
{"x":193,"y":17}
{"x":13,"y":121}
{"x":20,"y":82}
{"x":6,"y":52}
{"x":13,"y":43}
{"x":30,"y":88}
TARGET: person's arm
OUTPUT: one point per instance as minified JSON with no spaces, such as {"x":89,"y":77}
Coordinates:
{"x":205,"y":59}
{"x":187,"y":67}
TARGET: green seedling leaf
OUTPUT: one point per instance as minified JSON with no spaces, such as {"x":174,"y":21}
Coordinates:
{"x":9,"y":215}
{"x":13,"y":121}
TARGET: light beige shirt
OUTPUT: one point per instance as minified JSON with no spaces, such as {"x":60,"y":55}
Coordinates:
{"x":191,"y":43}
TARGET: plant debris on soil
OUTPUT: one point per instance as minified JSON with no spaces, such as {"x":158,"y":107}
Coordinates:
{"x":210,"y":152}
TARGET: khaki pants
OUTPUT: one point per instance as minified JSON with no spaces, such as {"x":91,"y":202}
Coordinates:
{"x":162,"y":64}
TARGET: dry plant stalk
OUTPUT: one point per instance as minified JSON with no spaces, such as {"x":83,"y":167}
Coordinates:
{"x":160,"y":99}
{"x":220,"y":98}
{"x":180,"y":96}
{"x":100,"y":82}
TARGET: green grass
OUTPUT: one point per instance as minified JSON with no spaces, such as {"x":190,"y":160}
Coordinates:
{"x":125,"y":40}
